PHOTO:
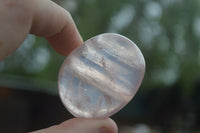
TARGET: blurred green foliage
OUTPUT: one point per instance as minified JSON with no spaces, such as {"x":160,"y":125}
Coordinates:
{"x":166,"y":31}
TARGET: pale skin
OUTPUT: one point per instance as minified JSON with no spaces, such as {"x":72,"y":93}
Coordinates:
{"x":44,"y":18}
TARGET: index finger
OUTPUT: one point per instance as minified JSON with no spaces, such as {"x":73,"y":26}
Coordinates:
{"x":56,"y":25}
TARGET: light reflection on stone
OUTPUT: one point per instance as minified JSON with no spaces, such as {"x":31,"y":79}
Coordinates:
{"x":101,"y":76}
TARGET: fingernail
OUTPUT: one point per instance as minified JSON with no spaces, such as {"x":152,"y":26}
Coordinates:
{"x":103,"y":130}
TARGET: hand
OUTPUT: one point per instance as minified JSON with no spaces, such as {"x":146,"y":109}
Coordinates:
{"x":46,"y":19}
{"x":79,"y":125}
{"x":40,"y":17}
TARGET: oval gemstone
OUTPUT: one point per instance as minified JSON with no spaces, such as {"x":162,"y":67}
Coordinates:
{"x":101,"y":76}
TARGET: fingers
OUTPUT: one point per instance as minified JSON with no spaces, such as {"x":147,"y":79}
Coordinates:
{"x":66,"y":40}
{"x":15,"y":23}
{"x":80,"y":125}
{"x":56,"y":24}
{"x":40,"y":17}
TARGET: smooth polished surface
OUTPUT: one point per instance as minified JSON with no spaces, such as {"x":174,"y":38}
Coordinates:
{"x":101,"y":76}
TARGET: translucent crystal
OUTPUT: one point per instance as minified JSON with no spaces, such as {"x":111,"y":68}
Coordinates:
{"x":101,"y":76}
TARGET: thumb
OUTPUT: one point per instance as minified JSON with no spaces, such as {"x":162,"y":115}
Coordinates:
{"x":80,"y":125}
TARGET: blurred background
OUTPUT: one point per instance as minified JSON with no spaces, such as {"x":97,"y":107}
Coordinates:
{"x":166,"y":31}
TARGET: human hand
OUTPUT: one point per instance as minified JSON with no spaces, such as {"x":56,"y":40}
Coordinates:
{"x":40,"y":17}
{"x":80,"y":125}
{"x":44,"y":18}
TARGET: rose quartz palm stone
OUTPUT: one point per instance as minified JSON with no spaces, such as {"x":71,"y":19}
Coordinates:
{"x":101,"y":76}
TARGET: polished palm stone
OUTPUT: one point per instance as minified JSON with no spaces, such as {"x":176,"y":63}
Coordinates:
{"x":101,"y":76}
